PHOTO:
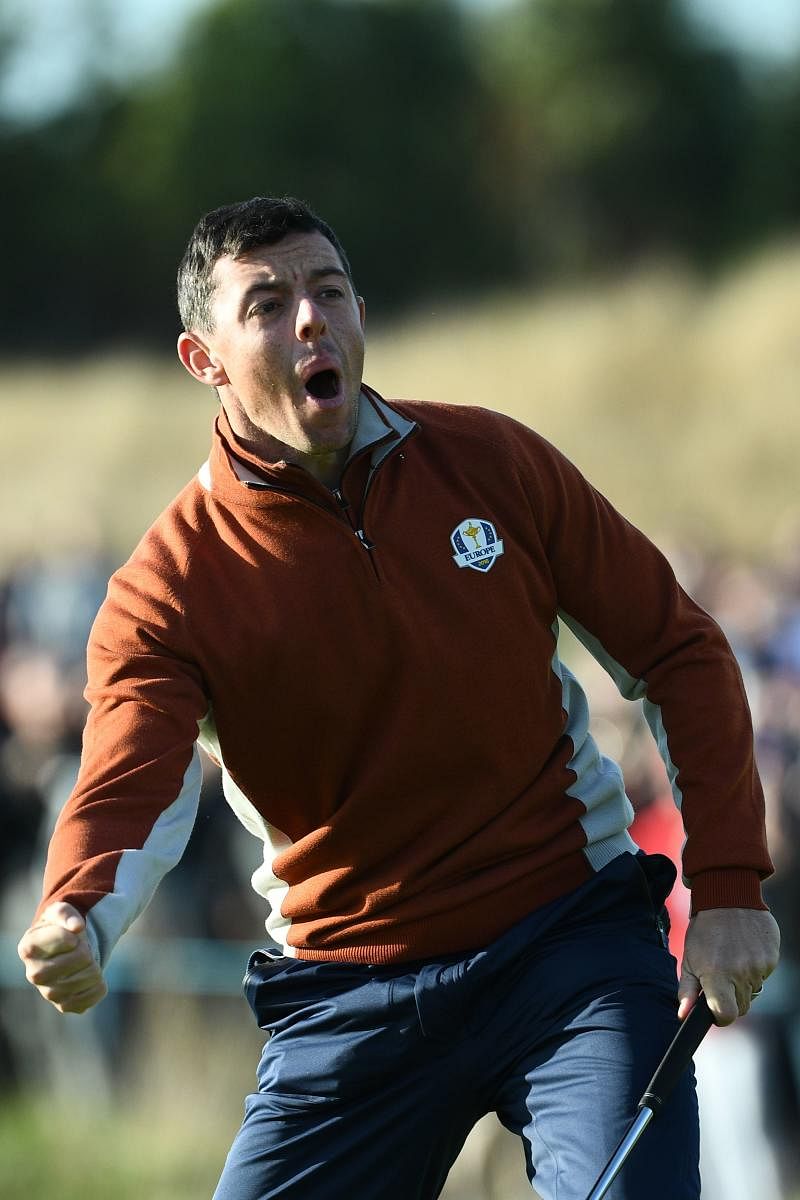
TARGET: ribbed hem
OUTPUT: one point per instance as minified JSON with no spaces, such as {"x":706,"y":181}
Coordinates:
{"x":465,"y":926}
{"x":728,"y":887}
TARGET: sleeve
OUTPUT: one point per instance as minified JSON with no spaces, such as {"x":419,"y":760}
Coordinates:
{"x":134,"y":804}
{"x":619,"y":595}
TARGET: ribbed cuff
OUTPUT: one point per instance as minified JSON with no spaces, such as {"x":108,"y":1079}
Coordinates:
{"x":727,"y":887}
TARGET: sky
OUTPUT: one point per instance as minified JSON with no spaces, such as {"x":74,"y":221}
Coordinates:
{"x":56,"y":51}
{"x":56,"y":48}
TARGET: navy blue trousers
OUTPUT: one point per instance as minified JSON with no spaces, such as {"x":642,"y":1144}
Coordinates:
{"x":372,"y":1077}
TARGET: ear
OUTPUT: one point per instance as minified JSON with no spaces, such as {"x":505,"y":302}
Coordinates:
{"x":200,"y":361}
{"x":362,"y":310}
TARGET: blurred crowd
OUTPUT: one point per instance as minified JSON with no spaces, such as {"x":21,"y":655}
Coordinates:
{"x":749,"y":1076}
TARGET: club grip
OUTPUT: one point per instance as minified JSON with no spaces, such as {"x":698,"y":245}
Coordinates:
{"x":691,"y":1033}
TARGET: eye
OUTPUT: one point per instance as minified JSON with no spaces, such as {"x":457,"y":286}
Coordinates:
{"x":332,"y":293}
{"x":264,"y":308}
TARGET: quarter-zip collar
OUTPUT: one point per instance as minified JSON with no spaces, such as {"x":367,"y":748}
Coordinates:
{"x":232,"y":472}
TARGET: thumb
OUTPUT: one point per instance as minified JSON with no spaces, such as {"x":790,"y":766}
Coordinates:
{"x":57,"y":931}
{"x":688,"y":991}
{"x":65,"y":915}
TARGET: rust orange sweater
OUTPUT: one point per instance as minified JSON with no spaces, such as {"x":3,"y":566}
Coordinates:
{"x":377,"y":671}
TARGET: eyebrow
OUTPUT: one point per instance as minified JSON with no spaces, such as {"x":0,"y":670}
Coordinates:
{"x":273,"y":283}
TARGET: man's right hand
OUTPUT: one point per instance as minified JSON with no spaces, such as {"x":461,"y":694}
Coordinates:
{"x":59,"y":962}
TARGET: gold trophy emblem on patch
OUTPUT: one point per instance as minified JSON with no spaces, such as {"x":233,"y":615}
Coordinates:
{"x":476,"y":544}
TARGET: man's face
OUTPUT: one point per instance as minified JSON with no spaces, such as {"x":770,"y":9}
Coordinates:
{"x":289,"y":340}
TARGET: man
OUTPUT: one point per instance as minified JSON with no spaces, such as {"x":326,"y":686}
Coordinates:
{"x":356,"y":605}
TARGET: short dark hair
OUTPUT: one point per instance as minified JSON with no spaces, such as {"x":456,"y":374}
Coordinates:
{"x":233,"y":230}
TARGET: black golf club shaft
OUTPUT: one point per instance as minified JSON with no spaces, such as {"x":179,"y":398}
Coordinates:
{"x":691,"y":1033}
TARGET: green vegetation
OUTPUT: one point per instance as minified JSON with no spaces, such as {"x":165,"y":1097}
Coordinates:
{"x":58,"y":1150}
{"x":527,"y":142}
{"x":163,"y":1128}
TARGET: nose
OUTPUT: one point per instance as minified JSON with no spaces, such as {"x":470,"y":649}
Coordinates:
{"x":310,"y":322}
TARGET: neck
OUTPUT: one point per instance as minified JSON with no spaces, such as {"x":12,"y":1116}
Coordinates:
{"x":325,"y":465}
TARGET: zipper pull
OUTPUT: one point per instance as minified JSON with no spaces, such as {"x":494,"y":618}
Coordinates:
{"x":341,"y":500}
{"x":365,"y":542}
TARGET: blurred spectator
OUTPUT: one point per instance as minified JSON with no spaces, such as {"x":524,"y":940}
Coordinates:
{"x":50,"y":603}
{"x":47,"y":607}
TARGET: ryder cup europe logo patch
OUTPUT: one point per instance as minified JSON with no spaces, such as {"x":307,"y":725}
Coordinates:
{"x":476,"y":544}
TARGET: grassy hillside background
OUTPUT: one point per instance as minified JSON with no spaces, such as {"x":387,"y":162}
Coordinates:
{"x":679,"y":399}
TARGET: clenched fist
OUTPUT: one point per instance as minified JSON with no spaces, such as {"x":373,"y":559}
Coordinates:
{"x":59,"y":962}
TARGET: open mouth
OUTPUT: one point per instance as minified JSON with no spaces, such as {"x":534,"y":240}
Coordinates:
{"x":323,"y":385}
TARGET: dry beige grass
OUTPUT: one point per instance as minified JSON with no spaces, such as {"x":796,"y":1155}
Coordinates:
{"x":677,"y":400}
